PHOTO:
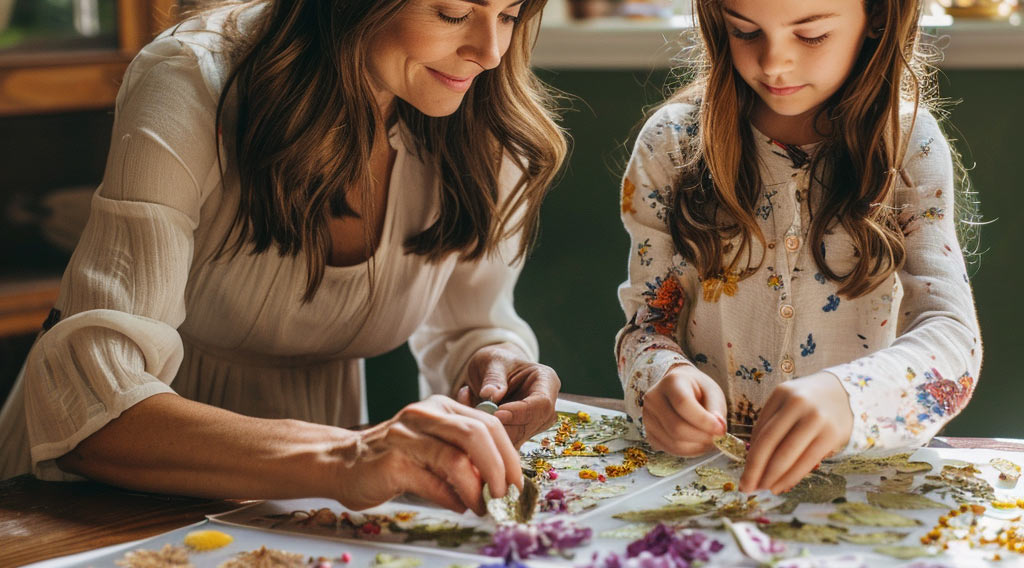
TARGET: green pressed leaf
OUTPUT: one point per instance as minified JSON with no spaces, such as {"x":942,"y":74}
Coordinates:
{"x":861,"y":466}
{"x":906,"y":552}
{"x":664,"y":514}
{"x":383,"y":560}
{"x":818,"y":487}
{"x":884,"y":537}
{"x":903,"y":501}
{"x":804,"y":532}
{"x":869,"y":516}
{"x":527,"y":502}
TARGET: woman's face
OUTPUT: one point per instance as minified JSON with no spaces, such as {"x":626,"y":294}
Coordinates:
{"x":434,"y":49}
{"x":794,"y":54}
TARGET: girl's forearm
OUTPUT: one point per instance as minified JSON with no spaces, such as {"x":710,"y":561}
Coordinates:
{"x":168,"y":444}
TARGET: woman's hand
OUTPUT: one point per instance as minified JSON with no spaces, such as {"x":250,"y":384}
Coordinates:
{"x":804,"y":421}
{"x":684,"y":412}
{"x":437,"y":449}
{"x":526,"y":392}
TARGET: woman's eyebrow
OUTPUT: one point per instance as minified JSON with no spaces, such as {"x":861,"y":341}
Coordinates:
{"x":806,"y":20}
{"x":486,"y":3}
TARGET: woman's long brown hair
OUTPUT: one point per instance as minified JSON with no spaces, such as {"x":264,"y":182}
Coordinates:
{"x":856,"y":165}
{"x":299,"y":105}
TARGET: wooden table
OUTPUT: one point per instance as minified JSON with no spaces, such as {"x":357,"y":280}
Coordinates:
{"x":41,"y":520}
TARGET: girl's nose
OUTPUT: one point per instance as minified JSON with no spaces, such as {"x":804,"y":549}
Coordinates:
{"x":775,"y":59}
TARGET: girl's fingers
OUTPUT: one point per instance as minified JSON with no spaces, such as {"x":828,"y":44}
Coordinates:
{"x":767,"y":411}
{"x":811,"y":457}
{"x":673,"y":435}
{"x":791,"y":449}
{"x":762,"y":448}
{"x":714,"y":402}
{"x":689,"y":409}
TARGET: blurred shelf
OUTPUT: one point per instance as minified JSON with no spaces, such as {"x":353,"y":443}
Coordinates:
{"x":616,"y":43}
{"x":71,"y":80}
{"x":25,"y":302}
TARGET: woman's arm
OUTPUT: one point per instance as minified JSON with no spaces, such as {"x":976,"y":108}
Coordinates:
{"x":436,"y":449}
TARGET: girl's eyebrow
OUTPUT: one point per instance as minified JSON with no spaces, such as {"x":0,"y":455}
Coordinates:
{"x":806,"y":20}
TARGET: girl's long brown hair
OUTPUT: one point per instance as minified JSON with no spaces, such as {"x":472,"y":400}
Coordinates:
{"x":856,"y":165}
{"x":304,"y":120}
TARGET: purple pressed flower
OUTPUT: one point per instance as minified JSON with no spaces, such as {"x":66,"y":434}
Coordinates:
{"x":524,"y":541}
{"x":554,"y":500}
{"x":662,"y":547}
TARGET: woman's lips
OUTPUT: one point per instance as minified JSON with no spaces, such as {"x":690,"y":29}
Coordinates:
{"x":454,"y":83}
{"x":782,"y":91}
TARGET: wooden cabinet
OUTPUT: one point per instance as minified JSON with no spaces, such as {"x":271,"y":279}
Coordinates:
{"x":38,"y":89}
{"x":46,"y":82}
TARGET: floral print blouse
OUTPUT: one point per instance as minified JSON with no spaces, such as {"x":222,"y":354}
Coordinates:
{"x":908,"y":353}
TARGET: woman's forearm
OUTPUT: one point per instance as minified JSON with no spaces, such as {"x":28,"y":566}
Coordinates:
{"x":169,"y":444}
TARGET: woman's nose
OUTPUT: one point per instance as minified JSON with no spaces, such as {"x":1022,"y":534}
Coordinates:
{"x":483,"y":46}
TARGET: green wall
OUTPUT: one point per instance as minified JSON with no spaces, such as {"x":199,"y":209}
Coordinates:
{"x":568,"y":288}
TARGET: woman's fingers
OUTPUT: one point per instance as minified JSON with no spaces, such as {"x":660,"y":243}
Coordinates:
{"x":531,"y":409}
{"x":509,"y":457}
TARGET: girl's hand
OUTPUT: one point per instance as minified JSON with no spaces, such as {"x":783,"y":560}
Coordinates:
{"x":437,"y":449}
{"x":684,"y":412}
{"x":804,"y":421}
{"x":526,"y":392}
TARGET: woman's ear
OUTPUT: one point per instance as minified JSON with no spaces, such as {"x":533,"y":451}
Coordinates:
{"x":876,"y":18}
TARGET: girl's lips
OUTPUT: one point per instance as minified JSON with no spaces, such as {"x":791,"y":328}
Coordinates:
{"x":455,"y":83}
{"x":782,"y":91}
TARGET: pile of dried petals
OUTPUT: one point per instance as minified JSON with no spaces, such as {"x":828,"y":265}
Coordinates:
{"x":516,"y":540}
{"x":662,"y":547}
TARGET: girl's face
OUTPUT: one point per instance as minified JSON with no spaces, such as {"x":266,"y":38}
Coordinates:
{"x":794,"y":54}
{"x":434,"y":49}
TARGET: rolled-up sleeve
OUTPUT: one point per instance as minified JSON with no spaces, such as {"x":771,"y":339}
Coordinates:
{"x":122,"y":295}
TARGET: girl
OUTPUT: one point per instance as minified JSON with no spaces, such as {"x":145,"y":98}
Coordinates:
{"x":795,"y":276}
{"x":377,"y":179}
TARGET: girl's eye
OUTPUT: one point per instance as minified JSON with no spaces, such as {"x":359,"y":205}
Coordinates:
{"x":509,"y":19}
{"x":745,"y":35}
{"x":813,"y":40}
{"x":452,"y":19}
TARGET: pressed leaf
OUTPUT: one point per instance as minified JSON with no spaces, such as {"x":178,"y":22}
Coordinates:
{"x":906,"y":552}
{"x":869,"y":516}
{"x":664,"y":514}
{"x":804,"y":532}
{"x":661,"y":464}
{"x":891,"y":500}
{"x":714,"y":478}
{"x":818,"y":487}
{"x":878,"y":538}
{"x":731,"y":446}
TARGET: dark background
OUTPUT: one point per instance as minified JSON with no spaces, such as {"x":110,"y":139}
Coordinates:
{"x":568,"y":288}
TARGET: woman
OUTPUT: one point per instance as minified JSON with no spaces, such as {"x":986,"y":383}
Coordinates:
{"x":294,"y":186}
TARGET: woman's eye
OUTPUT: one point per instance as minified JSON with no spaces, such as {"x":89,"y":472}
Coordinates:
{"x":813,"y":40}
{"x":453,"y":19}
{"x":745,"y":35}
{"x":509,"y":19}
